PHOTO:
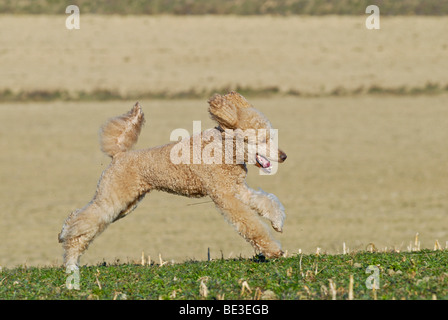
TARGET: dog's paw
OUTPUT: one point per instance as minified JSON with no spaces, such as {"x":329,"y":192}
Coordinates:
{"x":277,"y":215}
{"x":277,"y":222}
{"x":274,"y":254}
{"x":277,"y":226}
{"x":71,"y":267}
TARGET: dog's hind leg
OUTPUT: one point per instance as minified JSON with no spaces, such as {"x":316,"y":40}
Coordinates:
{"x":84,"y":225}
{"x":79,"y":230}
{"x":115,"y":198}
{"x":248,"y":225}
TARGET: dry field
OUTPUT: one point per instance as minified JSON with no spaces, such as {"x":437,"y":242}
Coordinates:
{"x":134,"y":54}
{"x":360,"y":170}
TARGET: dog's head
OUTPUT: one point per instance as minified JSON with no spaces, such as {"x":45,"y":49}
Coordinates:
{"x":235,"y":114}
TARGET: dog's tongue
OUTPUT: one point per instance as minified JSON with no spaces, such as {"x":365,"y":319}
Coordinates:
{"x":266,"y":164}
{"x":263,"y":161}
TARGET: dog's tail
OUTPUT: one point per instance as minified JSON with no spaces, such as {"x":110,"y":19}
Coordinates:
{"x":119,"y":134}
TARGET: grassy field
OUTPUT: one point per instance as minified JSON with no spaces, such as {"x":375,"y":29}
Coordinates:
{"x":413,"y":276}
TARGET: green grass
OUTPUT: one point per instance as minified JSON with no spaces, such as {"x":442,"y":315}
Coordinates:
{"x":406,"y":275}
{"x":237,"y":7}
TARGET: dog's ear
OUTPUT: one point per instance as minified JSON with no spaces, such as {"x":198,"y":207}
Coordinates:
{"x":237,"y":100}
{"x":224,"y":109}
{"x":223,"y":112}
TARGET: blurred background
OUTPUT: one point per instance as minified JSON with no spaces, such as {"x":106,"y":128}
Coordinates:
{"x":362,"y":114}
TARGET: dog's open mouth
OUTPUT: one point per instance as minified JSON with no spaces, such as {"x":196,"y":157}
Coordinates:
{"x":263,"y":163}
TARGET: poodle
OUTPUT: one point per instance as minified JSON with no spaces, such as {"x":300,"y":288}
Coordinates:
{"x":134,"y":173}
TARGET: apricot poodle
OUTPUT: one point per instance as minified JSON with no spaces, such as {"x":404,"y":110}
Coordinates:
{"x":220,"y":173}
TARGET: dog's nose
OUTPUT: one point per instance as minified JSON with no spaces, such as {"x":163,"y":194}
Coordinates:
{"x":283,"y":156}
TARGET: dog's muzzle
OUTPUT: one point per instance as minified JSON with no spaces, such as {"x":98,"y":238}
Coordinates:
{"x":281,"y":156}
{"x":265,"y":164}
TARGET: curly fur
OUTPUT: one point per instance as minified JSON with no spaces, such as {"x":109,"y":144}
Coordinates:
{"x":133,"y":173}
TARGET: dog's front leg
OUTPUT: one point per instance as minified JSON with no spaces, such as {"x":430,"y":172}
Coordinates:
{"x":265,"y":204}
{"x":248,"y":225}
